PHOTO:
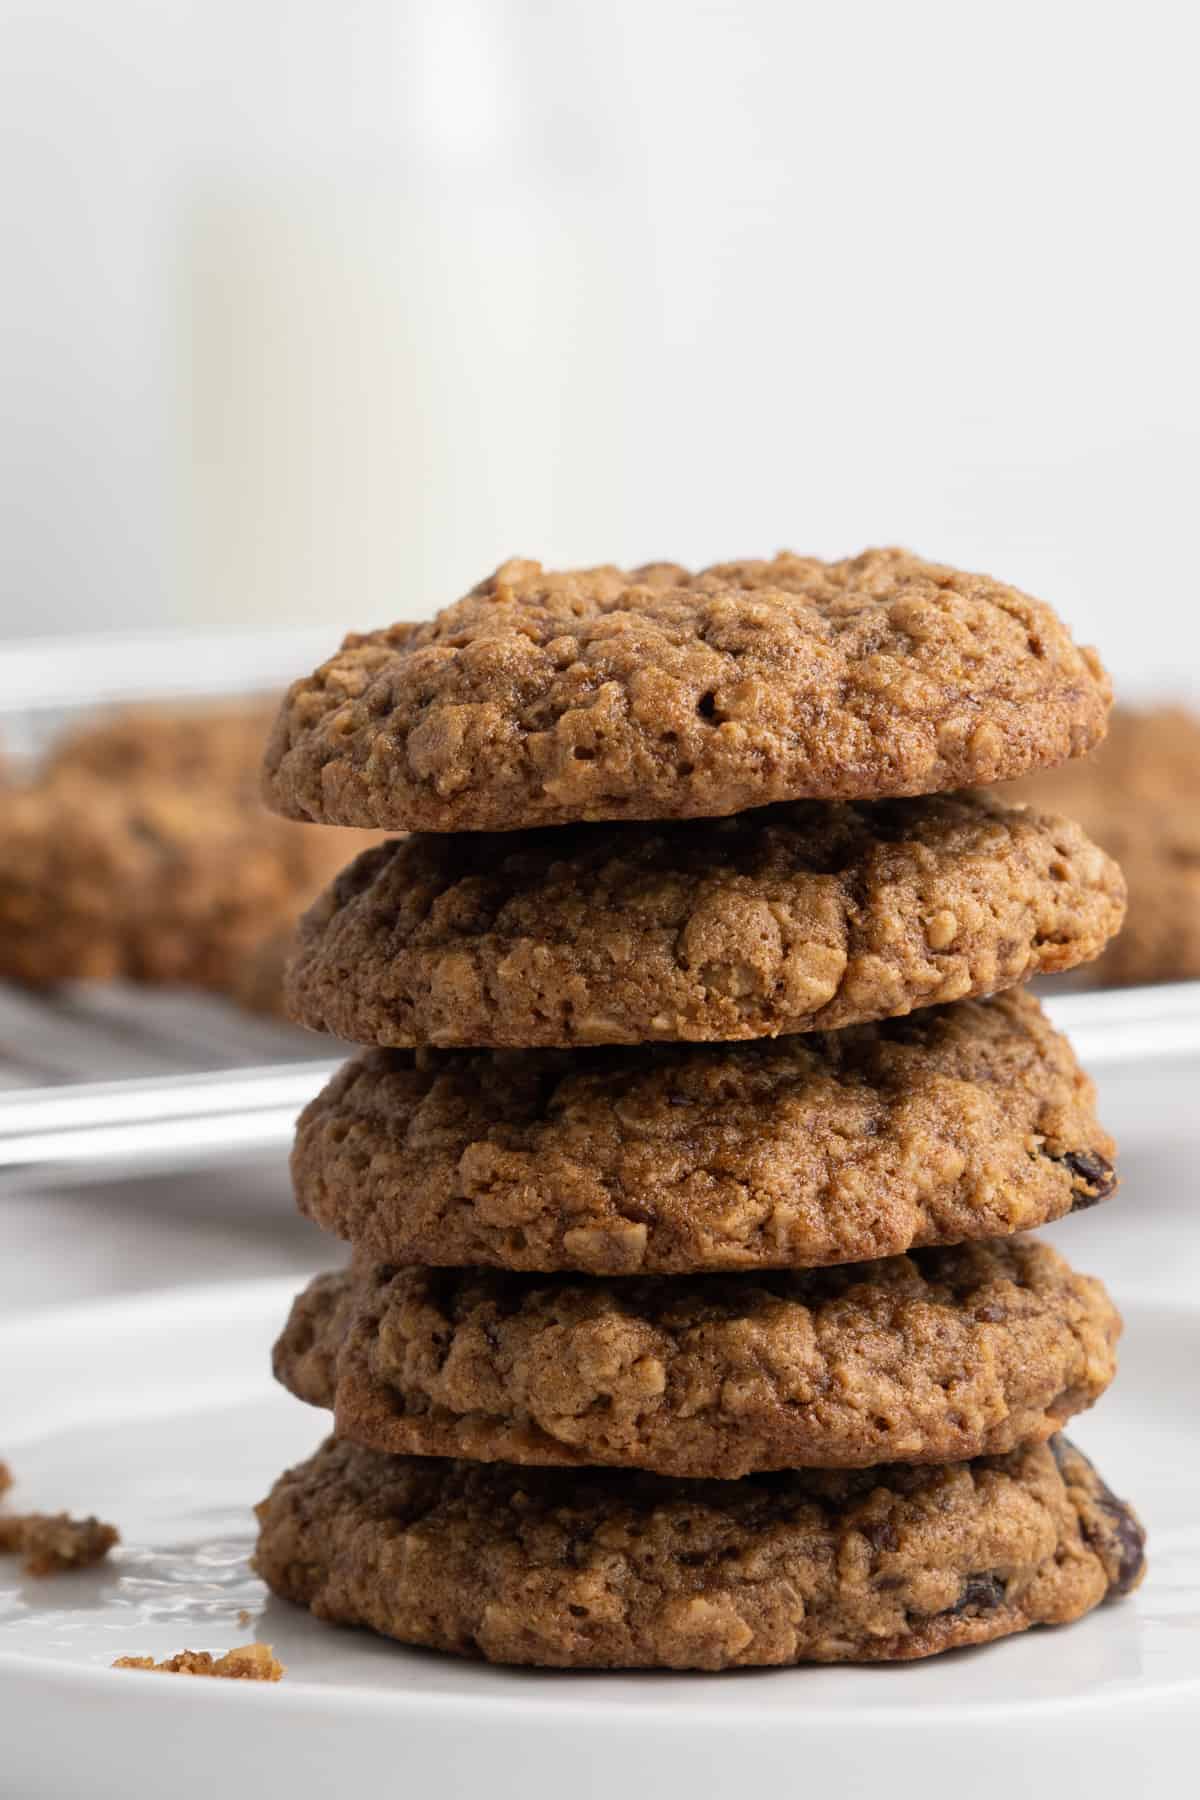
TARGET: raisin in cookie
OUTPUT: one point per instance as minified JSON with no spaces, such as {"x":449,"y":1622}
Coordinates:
{"x":943,"y":1354}
{"x":617,"y":1570}
{"x":953,"y":1124}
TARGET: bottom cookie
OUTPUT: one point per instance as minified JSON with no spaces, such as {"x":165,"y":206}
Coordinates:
{"x":606,"y":1569}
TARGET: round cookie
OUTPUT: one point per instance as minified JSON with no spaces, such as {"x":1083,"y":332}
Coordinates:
{"x":214,"y":749}
{"x":953,"y":1124}
{"x":613,"y":1570}
{"x":543,"y":698}
{"x":1139,"y":796}
{"x":797,"y":918}
{"x":145,"y":882}
{"x":941,"y":1355}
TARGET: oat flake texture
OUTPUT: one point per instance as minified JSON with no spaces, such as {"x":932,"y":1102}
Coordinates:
{"x":805,"y":917}
{"x":544,"y":698}
{"x":609,"y":1569}
{"x":952,"y":1124}
{"x":943,"y":1354}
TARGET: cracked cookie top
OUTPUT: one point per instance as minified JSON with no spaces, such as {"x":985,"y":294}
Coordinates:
{"x":794,"y":918}
{"x":953,"y":1124}
{"x":939,"y":1355}
{"x":547,"y":698}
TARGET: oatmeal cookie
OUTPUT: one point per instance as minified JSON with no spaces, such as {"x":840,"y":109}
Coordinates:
{"x":100,"y":881}
{"x":543,"y":699}
{"x":209,"y":749}
{"x":614,"y":1570}
{"x":953,"y":1124}
{"x":806,"y":917}
{"x":1139,"y":797}
{"x":932,"y":1357}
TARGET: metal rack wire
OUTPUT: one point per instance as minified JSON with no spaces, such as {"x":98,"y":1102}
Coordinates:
{"x":108,"y":1081}
{"x":105,"y":1079}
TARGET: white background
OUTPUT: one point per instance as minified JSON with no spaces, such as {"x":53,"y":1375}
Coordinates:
{"x":313,"y":312}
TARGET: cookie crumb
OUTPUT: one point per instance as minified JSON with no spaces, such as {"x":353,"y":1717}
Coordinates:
{"x":245,"y":1617}
{"x":51,"y":1542}
{"x":248,"y":1662}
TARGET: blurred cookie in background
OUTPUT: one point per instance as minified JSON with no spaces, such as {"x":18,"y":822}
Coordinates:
{"x":140,"y":852}
{"x":1138,"y":797}
{"x":211,"y":750}
{"x":257,"y":984}
{"x":144,"y":882}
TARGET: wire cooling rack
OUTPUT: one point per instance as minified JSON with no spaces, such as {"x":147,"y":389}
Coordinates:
{"x":105,"y":1079}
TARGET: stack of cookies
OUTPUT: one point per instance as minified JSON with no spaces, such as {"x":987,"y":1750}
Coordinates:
{"x":689,"y":1323}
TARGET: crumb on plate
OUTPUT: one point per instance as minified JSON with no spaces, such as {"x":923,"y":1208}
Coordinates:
{"x":248,"y":1662}
{"x":51,"y":1542}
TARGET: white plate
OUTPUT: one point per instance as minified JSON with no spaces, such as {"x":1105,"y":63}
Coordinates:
{"x":160,"y":1414}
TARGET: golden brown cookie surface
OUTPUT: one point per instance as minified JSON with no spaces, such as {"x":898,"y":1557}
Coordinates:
{"x":944,"y":1354}
{"x":954,"y":1124}
{"x":612,"y":1569}
{"x":546,"y":698}
{"x":796,"y":918}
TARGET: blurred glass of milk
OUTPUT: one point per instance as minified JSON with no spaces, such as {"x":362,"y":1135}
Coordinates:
{"x":392,"y":256}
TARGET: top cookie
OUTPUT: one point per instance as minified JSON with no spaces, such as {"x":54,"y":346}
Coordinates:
{"x":546,"y":698}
